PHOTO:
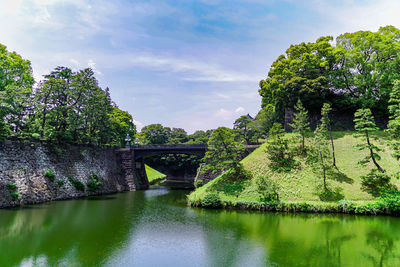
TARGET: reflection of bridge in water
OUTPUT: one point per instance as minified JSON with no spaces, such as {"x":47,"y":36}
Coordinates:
{"x":132,"y":159}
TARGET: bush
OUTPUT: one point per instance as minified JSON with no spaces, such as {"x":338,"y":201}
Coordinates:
{"x":267,"y":189}
{"x":375,"y":183}
{"x":77,"y":184}
{"x":11,"y":186}
{"x":15,"y":195}
{"x":94,"y":183}
{"x":199,"y":183}
{"x":346,"y":206}
{"x":49,"y":174}
{"x":60,"y":183}
{"x":211,"y":200}
{"x":391,"y":201}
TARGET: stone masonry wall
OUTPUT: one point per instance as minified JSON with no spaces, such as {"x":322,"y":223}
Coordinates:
{"x":24,"y":164}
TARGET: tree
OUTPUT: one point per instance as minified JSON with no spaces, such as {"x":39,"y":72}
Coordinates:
{"x":300,"y":123}
{"x":393,"y":128}
{"x":265,"y":119}
{"x":319,"y":153}
{"x":223,"y":150}
{"x":326,"y":128}
{"x":122,"y":125}
{"x":365,"y":126}
{"x":16,"y":83}
{"x":278,"y":152}
{"x":155,"y":134}
{"x":178,"y":136}
{"x":199,"y":137}
{"x":245,"y":129}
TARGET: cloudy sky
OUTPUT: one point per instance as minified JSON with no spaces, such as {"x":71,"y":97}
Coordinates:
{"x":181,"y":63}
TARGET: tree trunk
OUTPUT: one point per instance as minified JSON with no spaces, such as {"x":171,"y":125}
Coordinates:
{"x":333,"y":151}
{"x":323,"y":167}
{"x":372,"y":155}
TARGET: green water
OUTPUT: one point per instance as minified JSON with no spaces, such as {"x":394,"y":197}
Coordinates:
{"x":155,"y":228}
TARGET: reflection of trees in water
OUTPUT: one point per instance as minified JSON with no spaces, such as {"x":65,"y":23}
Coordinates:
{"x":82,"y":232}
{"x":383,"y":243}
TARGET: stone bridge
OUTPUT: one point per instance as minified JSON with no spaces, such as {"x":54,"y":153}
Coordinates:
{"x":133,"y":160}
{"x":133,"y":166}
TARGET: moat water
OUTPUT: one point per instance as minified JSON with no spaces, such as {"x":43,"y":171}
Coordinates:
{"x":156,"y":228}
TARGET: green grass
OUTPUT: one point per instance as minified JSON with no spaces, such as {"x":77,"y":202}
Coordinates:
{"x":302,"y":184}
{"x":154,"y":175}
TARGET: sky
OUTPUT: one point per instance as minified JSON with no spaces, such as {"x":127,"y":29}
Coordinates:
{"x":187,"y":64}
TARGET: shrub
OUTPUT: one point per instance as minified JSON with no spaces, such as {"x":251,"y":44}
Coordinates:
{"x":199,"y":183}
{"x":211,"y":200}
{"x":49,"y":174}
{"x":77,"y":184}
{"x":60,"y":183}
{"x":94,"y":182}
{"x":375,"y":183}
{"x":267,"y":189}
{"x":11,"y":186}
{"x":391,"y":201}
{"x":346,"y":206}
{"x":14,"y":195}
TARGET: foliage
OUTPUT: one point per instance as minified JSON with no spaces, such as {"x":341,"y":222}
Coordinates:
{"x":77,"y":184}
{"x":199,"y":183}
{"x":375,"y":183}
{"x":49,"y":174}
{"x":154,"y":134}
{"x":223,"y":150}
{"x":11,"y":186}
{"x":326,"y":128}
{"x":328,"y":194}
{"x":264,"y":120}
{"x":356,"y":71}
{"x":60,"y":183}
{"x":121,"y":125}
{"x":300,"y":123}
{"x":318,"y":154}
{"x":14,"y":195}
{"x":16,"y":83}
{"x":390,"y":199}
{"x":246,"y":129}
{"x":277,"y":150}
{"x":94,"y":182}
{"x":211,"y":200}
{"x":365,"y":126}
{"x":267,"y":189}
{"x":393,"y":127}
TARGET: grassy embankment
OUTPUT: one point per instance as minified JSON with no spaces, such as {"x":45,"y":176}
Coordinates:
{"x":299,"y":188}
{"x":153,"y":175}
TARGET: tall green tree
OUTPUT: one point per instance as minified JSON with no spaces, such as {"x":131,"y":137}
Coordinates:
{"x":320,"y":152}
{"x":277,"y":150}
{"x":16,"y":83}
{"x":223,"y":150}
{"x":366,"y":128}
{"x":245,"y":129}
{"x":122,"y":125}
{"x":300,"y":123}
{"x":154,"y":134}
{"x":326,"y":128}
{"x":393,"y":128}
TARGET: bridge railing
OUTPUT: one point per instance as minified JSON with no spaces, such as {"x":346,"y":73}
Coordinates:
{"x":174,"y":146}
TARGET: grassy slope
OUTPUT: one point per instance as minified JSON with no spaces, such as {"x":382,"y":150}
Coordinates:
{"x":300,"y":185}
{"x":153,"y":175}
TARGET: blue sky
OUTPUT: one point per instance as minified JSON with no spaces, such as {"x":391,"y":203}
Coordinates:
{"x":189,"y":64}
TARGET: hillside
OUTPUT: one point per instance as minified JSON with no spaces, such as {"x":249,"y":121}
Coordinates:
{"x":153,"y":175}
{"x":302,"y":184}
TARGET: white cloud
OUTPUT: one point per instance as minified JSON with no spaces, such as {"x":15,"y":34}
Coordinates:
{"x":139,"y":125}
{"x":193,"y":70}
{"x":91,"y":64}
{"x":240,"y":110}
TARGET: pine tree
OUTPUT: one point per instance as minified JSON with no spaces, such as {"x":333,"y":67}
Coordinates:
{"x":365,"y":126}
{"x":320,"y":151}
{"x":300,"y":123}
{"x":393,"y":128}
{"x":326,"y":128}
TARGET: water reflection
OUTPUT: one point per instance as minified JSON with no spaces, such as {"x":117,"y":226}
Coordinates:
{"x":155,"y":228}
